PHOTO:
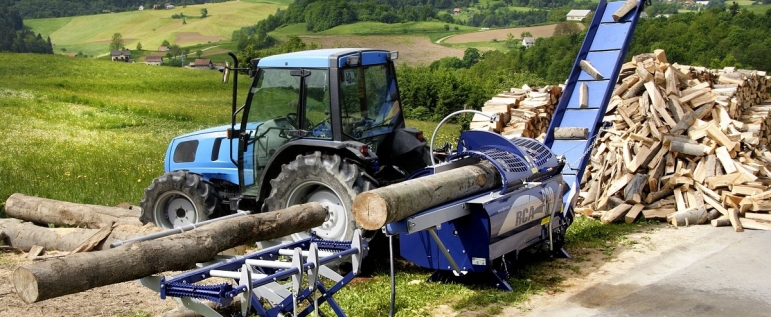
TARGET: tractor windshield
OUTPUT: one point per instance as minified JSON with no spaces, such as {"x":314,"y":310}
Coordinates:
{"x":369,"y":101}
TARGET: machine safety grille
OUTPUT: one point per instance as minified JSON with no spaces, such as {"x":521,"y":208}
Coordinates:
{"x":508,"y":161}
{"x":536,"y":149}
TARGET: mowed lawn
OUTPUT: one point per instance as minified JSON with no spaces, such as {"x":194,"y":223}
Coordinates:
{"x":92,"y":34}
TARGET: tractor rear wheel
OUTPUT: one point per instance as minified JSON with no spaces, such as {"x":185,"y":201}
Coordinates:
{"x":323,"y":178}
{"x":178,"y":198}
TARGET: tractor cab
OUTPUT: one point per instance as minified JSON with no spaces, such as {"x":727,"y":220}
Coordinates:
{"x":329,"y":107}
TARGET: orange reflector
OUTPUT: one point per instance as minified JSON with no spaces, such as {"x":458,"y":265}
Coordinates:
{"x":420,"y":136}
{"x":364,"y":150}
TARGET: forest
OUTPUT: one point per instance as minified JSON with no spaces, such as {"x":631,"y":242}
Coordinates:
{"x":15,"y":38}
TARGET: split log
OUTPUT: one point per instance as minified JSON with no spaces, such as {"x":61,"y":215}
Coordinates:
{"x":24,"y":235}
{"x":615,"y":214}
{"x":589,"y":69}
{"x":83,"y":271}
{"x":755,"y":224}
{"x":624,"y":9}
{"x":48,"y":211}
{"x":376,"y":208}
{"x":733,"y":216}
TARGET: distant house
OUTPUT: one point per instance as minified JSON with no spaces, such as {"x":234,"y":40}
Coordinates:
{"x":644,"y":15}
{"x":456,"y":11}
{"x":201,"y":63}
{"x":577,"y":15}
{"x":163,"y":49}
{"x":169,"y":6}
{"x":156,"y":6}
{"x":154,"y":60}
{"x":121,"y":56}
{"x":528,"y":41}
{"x":141,"y":8}
{"x":703,"y":3}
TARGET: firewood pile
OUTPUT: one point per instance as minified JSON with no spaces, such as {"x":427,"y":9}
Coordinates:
{"x":521,"y":112}
{"x":687,"y":144}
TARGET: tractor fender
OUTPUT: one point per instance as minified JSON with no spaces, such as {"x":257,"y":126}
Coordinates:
{"x":350,"y":150}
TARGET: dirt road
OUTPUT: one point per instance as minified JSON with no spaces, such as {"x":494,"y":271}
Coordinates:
{"x":695,"y":271}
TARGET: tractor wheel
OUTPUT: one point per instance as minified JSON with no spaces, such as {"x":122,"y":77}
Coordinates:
{"x":178,"y":198}
{"x":322,"y":178}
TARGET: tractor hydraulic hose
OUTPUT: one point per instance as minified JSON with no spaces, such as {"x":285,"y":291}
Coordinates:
{"x":431,"y":144}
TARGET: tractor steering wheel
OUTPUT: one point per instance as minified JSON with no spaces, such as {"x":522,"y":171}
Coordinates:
{"x":293,"y":119}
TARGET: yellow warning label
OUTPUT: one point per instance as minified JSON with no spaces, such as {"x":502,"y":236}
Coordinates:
{"x":545,"y":221}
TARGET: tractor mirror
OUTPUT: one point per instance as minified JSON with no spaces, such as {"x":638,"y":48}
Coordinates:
{"x":226,"y":72}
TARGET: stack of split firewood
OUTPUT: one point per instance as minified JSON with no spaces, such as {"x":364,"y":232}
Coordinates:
{"x":520,"y":112}
{"x":686,"y":144}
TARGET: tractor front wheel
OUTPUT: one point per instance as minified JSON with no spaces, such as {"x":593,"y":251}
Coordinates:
{"x":177,"y":199}
{"x":322,"y":178}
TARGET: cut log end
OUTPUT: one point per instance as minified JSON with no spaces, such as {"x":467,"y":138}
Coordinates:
{"x":375,"y":207}
{"x":25,"y":284}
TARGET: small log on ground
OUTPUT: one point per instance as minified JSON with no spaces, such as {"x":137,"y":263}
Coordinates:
{"x":48,"y":211}
{"x":723,"y":221}
{"x":23,"y":235}
{"x":83,"y":271}
{"x":376,"y":208}
{"x":689,"y":217}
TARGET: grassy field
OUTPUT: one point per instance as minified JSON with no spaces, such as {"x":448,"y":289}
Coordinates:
{"x":91,"y":131}
{"x":91,"y":34}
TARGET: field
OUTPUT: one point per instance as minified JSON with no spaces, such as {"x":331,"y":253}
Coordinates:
{"x":502,"y":34}
{"x":91,"y":34}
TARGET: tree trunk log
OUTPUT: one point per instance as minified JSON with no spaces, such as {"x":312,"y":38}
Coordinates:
{"x":83,"y":271}
{"x":376,"y":208}
{"x":24,"y":235}
{"x":689,"y":217}
{"x":48,"y":211}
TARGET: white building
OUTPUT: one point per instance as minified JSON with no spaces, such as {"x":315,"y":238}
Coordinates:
{"x":528,"y":41}
{"x":578,"y":15}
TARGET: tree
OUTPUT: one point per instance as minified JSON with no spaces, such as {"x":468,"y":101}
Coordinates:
{"x":526,"y":34}
{"x":566,"y":28}
{"x":139,"y":46}
{"x":117,"y":42}
{"x":204,"y":13}
{"x":198,"y":53}
{"x":166,"y":43}
{"x":470,"y":57}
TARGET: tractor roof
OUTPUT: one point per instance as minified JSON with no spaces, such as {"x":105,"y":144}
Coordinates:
{"x":311,"y":59}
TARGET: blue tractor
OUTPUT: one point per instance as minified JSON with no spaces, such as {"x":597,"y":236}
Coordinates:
{"x":320,"y":125}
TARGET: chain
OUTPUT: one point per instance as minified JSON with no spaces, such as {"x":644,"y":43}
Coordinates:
{"x":603,"y":127}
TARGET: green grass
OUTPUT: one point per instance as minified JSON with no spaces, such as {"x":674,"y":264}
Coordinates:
{"x":378,"y":28}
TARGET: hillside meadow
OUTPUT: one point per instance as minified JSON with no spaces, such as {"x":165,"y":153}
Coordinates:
{"x":91,"y":34}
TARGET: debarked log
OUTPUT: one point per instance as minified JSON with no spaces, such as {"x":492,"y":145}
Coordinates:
{"x":376,"y":208}
{"x":83,"y":271}
{"x":60,"y":213}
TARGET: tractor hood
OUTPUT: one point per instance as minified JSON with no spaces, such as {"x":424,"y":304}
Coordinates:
{"x":207,"y":152}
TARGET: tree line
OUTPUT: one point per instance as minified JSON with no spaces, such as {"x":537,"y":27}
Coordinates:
{"x":715,"y":38}
{"x":15,"y":38}
{"x":35,"y":9}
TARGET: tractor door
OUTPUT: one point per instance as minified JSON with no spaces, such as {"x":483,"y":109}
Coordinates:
{"x":289,"y":104}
